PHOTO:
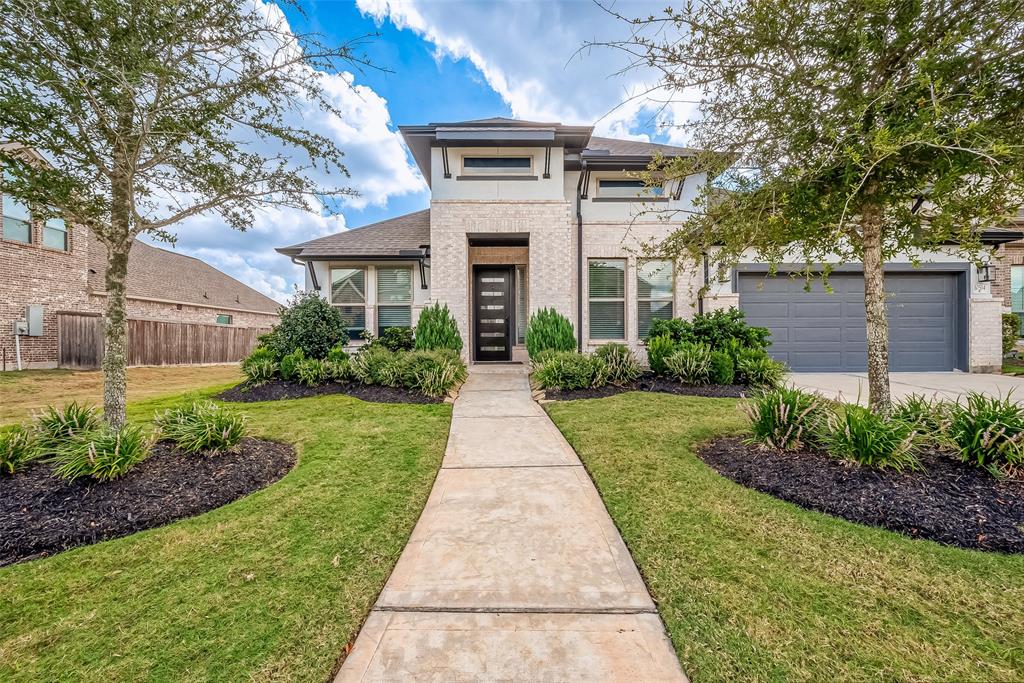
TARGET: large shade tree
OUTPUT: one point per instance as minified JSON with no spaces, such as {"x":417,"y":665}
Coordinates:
{"x":148,"y":112}
{"x":843,"y":131}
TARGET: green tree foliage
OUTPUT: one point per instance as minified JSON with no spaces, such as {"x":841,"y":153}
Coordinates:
{"x":308,"y":323}
{"x":843,"y":130}
{"x":129,"y":116}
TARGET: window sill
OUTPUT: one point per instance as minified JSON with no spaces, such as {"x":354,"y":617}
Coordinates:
{"x":496,"y":177}
{"x":629,"y":200}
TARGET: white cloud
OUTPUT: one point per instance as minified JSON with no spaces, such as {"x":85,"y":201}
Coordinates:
{"x":527,"y":51}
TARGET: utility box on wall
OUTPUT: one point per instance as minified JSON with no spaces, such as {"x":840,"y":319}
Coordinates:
{"x":35,"y":320}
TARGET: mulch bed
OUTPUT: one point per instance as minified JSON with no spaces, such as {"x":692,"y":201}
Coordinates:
{"x":41,"y":515}
{"x":650,"y":382}
{"x":279,"y":389}
{"x":949,"y":502}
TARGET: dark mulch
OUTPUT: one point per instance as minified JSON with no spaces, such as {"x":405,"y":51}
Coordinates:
{"x":949,"y":502}
{"x":279,"y":389}
{"x":41,"y":515}
{"x":650,"y":382}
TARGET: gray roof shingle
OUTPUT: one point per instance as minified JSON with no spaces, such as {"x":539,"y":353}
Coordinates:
{"x":386,"y":238}
{"x":635,"y":148}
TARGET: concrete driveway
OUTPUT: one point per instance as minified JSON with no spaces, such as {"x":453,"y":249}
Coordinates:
{"x":853,"y":386}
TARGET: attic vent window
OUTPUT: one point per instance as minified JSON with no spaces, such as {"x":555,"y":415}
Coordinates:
{"x":491,"y":166}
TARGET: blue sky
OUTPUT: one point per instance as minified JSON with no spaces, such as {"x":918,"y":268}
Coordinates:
{"x":440,"y":60}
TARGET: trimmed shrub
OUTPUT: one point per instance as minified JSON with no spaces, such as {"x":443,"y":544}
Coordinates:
{"x":337,"y":354}
{"x":989,"y":432}
{"x":658,"y":350}
{"x":311,"y":372}
{"x":723,"y":369}
{"x":784,"y":419}
{"x":858,"y":434}
{"x":623,"y":367}
{"x":202,"y":427}
{"x":549,"y":329}
{"x":436,"y":329}
{"x":308,"y":323}
{"x":396,"y":339}
{"x":339,"y":370}
{"x":755,"y":368}
{"x":57,"y":425}
{"x":1011,"y":331}
{"x":716,"y":329}
{"x":18,"y":447}
{"x":101,"y":454}
{"x":571,"y":370}
{"x":690,"y":364}
{"x":376,"y":365}
{"x":433,"y":373}
{"x":675,"y":328}
{"x":290,"y":364}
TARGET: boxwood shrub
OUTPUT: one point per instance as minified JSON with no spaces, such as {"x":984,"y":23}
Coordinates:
{"x":310,"y":323}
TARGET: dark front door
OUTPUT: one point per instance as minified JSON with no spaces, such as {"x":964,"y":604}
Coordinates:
{"x":492,"y":313}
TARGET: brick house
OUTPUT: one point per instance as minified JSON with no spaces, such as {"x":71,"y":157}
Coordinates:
{"x":61,"y":268}
{"x":1008,"y":272}
{"x":528,"y":215}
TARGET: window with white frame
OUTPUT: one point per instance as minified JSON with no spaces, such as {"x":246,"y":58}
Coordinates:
{"x":55,"y":233}
{"x":17,"y":225}
{"x":473,"y":165}
{"x":607,"y":298}
{"x":348,"y":295}
{"x":654,"y":293}
{"x":627,"y":188}
{"x":394,"y":297}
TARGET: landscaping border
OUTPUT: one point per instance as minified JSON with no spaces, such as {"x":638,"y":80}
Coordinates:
{"x":650,"y":382}
{"x":282,"y":390}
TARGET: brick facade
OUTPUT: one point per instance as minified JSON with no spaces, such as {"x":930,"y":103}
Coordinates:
{"x":1006,"y":256}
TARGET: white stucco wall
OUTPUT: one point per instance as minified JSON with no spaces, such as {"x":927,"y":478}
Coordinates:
{"x":443,"y":189}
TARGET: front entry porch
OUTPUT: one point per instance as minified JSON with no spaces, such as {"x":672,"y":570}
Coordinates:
{"x":498,"y":297}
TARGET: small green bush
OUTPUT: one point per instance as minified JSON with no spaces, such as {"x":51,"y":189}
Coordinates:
{"x":311,"y":372}
{"x":755,"y":368}
{"x":716,"y":329}
{"x":623,"y":367}
{"x":571,"y":370}
{"x":690,"y":364}
{"x":931,"y":418}
{"x":658,"y":350}
{"x":337,"y":354}
{"x":202,"y":426}
{"x":436,"y":329}
{"x":863,"y":436}
{"x":1011,"y":331}
{"x":101,"y":454}
{"x":57,"y":425}
{"x":338,"y":370}
{"x":723,"y":369}
{"x":309,"y":322}
{"x":376,"y":365}
{"x":290,"y":364}
{"x":260,"y":371}
{"x":18,"y":447}
{"x":433,"y":373}
{"x":989,"y":432}
{"x":549,"y":329}
{"x":785,"y":419}
{"x":396,"y":339}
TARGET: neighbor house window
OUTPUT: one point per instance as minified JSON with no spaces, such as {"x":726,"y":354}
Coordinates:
{"x":55,"y":233}
{"x":224,"y":319}
{"x":348,"y":294}
{"x":618,"y":188}
{"x":17,"y":218}
{"x":394,"y":298}
{"x":607,"y":294}
{"x":1017,"y":295}
{"x":497,"y":165}
{"x":654,"y":284}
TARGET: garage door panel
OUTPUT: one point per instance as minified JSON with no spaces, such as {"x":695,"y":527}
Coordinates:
{"x":819,"y":331}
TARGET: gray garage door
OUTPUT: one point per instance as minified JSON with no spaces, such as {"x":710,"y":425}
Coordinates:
{"x":818,"y":331}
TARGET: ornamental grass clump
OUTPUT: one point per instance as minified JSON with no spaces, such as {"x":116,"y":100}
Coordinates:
{"x":861,"y":435}
{"x":623,"y":367}
{"x":569,"y":370}
{"x":433,"y":373}
{"x":785,"y":419}
{"x":930,"y":417}
{"x":549,"y":329}
{"x":690,"y":364}
{"x":102,"y":454}
{"x":311,"y":372}
{"x":260,"y":366}
{"x":754,"y":367}
{"x":57,"y":425}
{"x":202,"y":427}
{"x":988,"y":432}
{"x":19,"y":446}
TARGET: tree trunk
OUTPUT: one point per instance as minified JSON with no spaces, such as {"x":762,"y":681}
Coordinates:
{"x":115,"y":355}
{"x":879,"y":397}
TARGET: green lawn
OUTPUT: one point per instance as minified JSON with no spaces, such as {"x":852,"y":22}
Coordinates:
{"x":270,"y":587}
{"x":1013,"y":369}
{"x":752,"y":588}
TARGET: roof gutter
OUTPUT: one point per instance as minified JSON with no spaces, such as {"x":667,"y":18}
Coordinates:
{"x":579,"y":256}
{"x":308,"y":265}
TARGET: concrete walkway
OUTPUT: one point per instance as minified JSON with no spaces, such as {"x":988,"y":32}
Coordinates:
{"x":952,"y":386}
{"x":514,"y":571}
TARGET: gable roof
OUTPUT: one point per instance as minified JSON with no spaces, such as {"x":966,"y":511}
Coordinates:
{"x":384,"y":239}
{"x":155,"y":273}
{"x":633,"y":148}
{"x":498,"y":121}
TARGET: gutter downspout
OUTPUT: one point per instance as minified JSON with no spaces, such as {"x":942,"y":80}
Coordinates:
{"x":579,"y":256}
{"x":308,"y":265}
{"x":704,"y":287}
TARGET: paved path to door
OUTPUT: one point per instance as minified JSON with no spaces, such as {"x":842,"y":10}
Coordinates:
{"x":514,"y":571}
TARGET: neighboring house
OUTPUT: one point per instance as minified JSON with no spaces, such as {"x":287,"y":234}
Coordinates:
{"x":527,"y":215}
{"x":61,"y":268}
{"x":1008,"y":272}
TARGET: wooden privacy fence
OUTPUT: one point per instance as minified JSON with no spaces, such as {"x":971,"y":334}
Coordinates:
{"x":154,"y":342}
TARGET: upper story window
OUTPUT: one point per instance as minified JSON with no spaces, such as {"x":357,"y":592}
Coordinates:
{"x":17,"y":224}
{"x":497,"y":165}
{"x":55,"y":234}
{"x":394,"y":298}
{"x":627,"y":188}
{"x":348,"y":294}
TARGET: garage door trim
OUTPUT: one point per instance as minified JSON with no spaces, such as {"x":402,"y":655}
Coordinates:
{"x":960,"y":269}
